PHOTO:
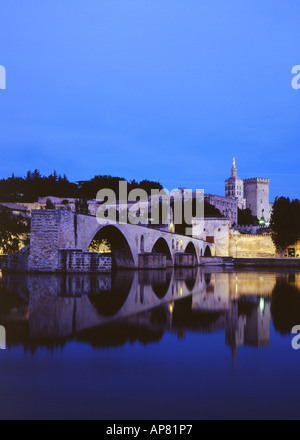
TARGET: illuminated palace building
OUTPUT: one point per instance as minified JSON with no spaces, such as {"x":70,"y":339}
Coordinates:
{"x":241,"y":194}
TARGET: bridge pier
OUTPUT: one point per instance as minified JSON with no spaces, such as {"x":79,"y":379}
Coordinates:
{"x":149,"y":261}
{"x":183,"y":259}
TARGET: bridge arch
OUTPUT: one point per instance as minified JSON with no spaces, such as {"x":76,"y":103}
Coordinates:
{"x":191,"y":249}
{"x":161,"y":283}
{"x":207,"y":252}
{"x":113,"y":241}
{"x":191,"y":279}
{"x":109,"y":303}
{"x":161,"y":247}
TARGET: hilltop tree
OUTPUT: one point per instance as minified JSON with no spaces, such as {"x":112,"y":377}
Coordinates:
{"x":285,"y":223}
{"x":14,"y":232}
{"x":285,"y":307}
{"x":50,"y":204}
{"x":90,"y":188}
{"x":246,"y":218}
{"x":209,"y":211}
{"x":148,"y":186}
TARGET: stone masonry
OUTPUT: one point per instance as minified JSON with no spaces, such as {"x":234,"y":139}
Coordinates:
{"x":53,"y":245}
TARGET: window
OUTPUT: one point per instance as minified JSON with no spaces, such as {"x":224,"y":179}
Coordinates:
{"x":292,"y":252}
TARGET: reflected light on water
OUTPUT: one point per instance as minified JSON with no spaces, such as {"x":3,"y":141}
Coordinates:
{"x":90,"y":301}
{"x":146,"y":331}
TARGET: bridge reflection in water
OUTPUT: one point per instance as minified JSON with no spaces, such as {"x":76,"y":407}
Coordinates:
{"x":106,"y":311}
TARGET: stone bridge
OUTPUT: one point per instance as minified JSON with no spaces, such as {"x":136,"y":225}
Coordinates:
{"x":60,"y":241}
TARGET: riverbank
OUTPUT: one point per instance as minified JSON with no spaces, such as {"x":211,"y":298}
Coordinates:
{"x":267,"y":262}
{"x":251,"y":262}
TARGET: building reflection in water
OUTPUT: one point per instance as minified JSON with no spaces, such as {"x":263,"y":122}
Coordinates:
{"x":107,"y":311}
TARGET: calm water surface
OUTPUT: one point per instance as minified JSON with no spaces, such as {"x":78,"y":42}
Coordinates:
{"x":189,"y":344}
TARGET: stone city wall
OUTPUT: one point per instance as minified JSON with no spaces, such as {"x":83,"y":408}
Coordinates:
{"x":251,"y":246}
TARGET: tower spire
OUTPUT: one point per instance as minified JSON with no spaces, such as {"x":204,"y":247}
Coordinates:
{"x":234,"y":169}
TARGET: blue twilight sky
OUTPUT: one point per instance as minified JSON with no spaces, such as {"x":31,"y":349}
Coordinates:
{"x":168,"y":90}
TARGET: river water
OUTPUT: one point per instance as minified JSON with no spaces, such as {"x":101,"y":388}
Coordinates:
{"x":180,"y":345}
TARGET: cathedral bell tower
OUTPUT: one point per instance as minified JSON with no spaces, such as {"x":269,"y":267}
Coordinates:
{"x":234,"y":187}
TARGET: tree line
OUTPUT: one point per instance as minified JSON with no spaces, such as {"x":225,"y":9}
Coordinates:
{"x":34,"y":185}
{"x":285,"y":223}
